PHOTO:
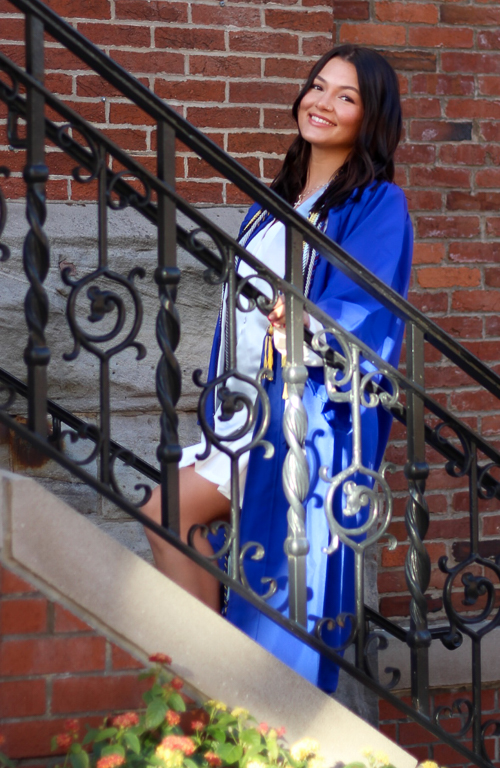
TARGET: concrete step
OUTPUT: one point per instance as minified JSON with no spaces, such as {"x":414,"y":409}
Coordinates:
{"x":75,"y":563}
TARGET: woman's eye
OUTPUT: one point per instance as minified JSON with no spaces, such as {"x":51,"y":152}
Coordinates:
{"x":316,"y":87}
{"x":347,"y":98}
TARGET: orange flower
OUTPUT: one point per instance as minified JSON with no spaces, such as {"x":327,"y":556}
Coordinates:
{"x":160,"y":658}
{"x":127,"y":720}
{"x":63,"y":740}
{"x":177,"y":683}
{"x":183,"y":743}
{"x":213,"y":760}
{"x":110,"y":761}
{"x":172,"y":718}
{"x":72,"y":726}
{"x":280,"y":731}
{"x":263,"y":728}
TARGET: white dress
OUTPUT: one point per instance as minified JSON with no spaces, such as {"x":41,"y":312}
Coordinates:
{"x":268,"y":245}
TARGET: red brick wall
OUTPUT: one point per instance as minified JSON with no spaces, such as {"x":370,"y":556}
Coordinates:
{"x":54,"y":666}
{"x":233,"y":71}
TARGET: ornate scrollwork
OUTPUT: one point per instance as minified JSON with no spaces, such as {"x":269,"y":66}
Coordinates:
{"x":417,"y":563}
{"x":213,"y":528}
{"x":211,"y":276}
{"x":9,"y":95}
{"x":66,"y":142}
{"x":474,"y":587}
{"x":372,"y":399}
{"x":132,"y":197}
{"x":487,"y":491}
{"x":103,"y":303}
{"x":10,"y":397}
{"x":263,"y":303}
{"x":382,"y":644}
{"x":453,"y":468}
{"x":233,"y":402}
{"x":464,"y":708}
{"x":257,"y":555}
{"x":84,"y":432}
{"x":331,"y":625}
{"x":335,"y":378}
{"x":4,"y":250}
{"x":494,"y":727}
{"x":128,"y":459}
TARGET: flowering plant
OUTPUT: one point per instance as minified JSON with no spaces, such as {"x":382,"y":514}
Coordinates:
{"x":175,"y":732}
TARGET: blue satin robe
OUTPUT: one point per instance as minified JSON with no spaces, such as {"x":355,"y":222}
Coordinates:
{"x":377,"y":231}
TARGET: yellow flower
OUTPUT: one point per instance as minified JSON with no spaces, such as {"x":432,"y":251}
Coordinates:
{"x":217,"y":705}
{"x":318,"y":761}
{"x":380,"y":758}
{"x":428,"y":764}
{"x":172,"y":757}
{"x":367,"y":752}
{"x":256,"y":764}
{"x":304,"y":748}
{"x":240,"y":712}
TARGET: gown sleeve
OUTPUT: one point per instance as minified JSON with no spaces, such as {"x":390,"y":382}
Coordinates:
{"x":377,"y":232}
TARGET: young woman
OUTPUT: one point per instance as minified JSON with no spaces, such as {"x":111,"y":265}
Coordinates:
{"x":339,"y":173}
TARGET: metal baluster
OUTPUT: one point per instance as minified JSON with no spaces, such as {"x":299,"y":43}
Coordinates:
{"x":295,"y":468}
{"x":168,"y":372}
{"x":477,"y":744}
{"x":417,"y":566}
{"x":104,"y":388}
{"x":36,"y":255}
{"x":357,"y":460}
{"x":232,"y":361}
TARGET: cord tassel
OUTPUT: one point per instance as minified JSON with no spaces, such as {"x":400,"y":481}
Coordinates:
{"x":269,"y":353}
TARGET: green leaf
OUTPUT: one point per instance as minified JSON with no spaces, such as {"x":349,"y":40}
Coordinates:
{"x":273,"y":751}
{"x":113,"y":749}
{"x":175,"y":701}
{"x":106,"y":733}
{"x":355,"y":765}
{"x":90,"y":736}
{"x":157,"y":761}
{"x":6,"y":761}
{"x":157,"y":691}
{"x":188,"y":763}
{"x":155,"y":713}
{"x":216,"y":733}
{"x":132,"y":742}
{"x":230,"y":753}
{"x":250,"y":738}
{"x":79,"y":759}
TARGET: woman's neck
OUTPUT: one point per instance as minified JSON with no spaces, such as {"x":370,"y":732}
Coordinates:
{"x":323,"y":166}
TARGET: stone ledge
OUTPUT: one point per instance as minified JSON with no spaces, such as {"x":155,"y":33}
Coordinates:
{"x":110,"y":588}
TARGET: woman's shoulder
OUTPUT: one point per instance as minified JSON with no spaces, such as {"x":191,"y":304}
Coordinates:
{"x":380,"y":193}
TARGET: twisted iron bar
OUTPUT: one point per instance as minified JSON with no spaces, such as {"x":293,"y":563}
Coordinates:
{"x":4,"y":249}
{"x":36,"y":262}
{"x":295,"y":467}
{"x":168,"y":372}
{"x":418,"y":563}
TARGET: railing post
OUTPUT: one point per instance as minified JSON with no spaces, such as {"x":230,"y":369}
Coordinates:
{"x":417,"y":566}
{"x":36,"y":257}
{"x":295,"y":468}
{"x":168,"y":372}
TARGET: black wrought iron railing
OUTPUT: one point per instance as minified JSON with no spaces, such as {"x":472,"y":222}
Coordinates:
{"x":115,"y":304}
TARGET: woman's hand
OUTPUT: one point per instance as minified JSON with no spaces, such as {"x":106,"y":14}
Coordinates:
{"x":277,"y":317}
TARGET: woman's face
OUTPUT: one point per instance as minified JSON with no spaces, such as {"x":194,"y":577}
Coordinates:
{"x":331,"y":112}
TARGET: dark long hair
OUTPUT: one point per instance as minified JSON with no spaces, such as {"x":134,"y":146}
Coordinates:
{"x":372,"y":157}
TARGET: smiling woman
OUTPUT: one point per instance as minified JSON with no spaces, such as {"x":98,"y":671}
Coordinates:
{"x":338,"y":173}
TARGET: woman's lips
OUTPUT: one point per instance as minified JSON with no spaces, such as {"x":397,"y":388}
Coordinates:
{"x":317,"y":120}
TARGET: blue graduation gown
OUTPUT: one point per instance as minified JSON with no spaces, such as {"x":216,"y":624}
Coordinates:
{"x":376,"y":230}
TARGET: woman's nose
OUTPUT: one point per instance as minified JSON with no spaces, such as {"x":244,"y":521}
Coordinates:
{"x":325,"y":102}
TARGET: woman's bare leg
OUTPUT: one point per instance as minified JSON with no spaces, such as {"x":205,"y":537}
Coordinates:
{"x":199,"y":502}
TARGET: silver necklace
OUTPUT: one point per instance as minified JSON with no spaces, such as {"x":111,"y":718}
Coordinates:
{"x":307,"y":193}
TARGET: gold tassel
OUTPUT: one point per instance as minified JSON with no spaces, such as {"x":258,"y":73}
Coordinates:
{"x":269,"y":353}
